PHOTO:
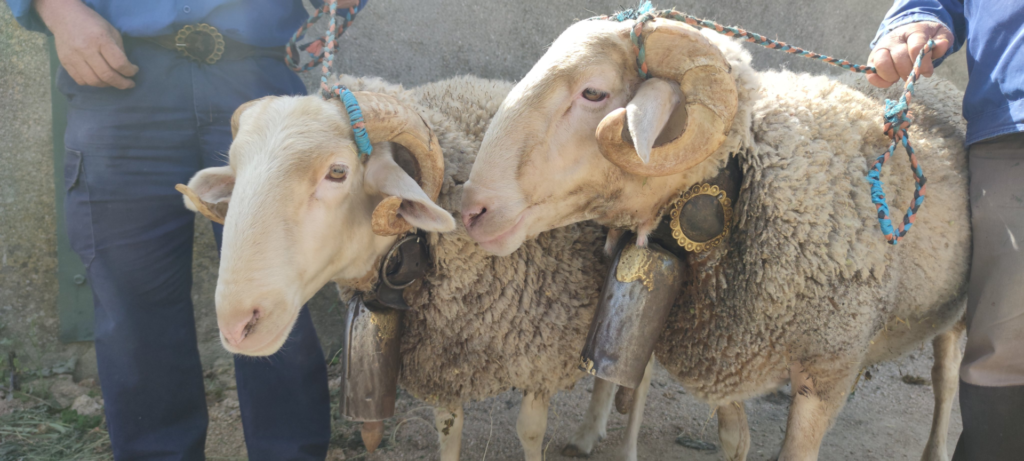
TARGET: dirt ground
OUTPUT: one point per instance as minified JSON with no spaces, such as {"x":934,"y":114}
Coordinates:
{"x":886,"y":419}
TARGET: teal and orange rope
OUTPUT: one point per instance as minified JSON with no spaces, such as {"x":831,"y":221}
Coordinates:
{"x":321,"y":52}
{"x":897,"y":120}
{"x":897,"y":113}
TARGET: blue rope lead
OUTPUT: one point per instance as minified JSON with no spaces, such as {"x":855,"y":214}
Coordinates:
{"x":897,"y":120}
{"x":323,"y":53}
{"x":355,"y":116}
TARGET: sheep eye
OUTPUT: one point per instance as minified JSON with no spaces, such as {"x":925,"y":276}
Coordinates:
{"x":591,"y":94}
{"x":337,"y":173}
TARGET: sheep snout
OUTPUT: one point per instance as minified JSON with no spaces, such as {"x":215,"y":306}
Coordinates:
{"x":235,"y":330}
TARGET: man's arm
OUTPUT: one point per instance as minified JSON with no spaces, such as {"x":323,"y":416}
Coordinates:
{"x":88,"y":47}
{"x":26,"y":16}
{"x":906,"y":29}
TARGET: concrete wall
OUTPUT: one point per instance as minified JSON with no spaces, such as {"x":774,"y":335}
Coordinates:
{"x":404,"y":41}
{"x":28,"y":290}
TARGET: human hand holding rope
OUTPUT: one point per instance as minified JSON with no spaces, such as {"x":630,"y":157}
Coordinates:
{"x":893,"y":57}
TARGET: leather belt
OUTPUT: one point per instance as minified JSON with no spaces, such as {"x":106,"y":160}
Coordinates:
{"x":203,"y":43}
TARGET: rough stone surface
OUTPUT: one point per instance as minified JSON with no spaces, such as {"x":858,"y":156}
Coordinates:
{"x":65,"y":392}
{"x":404,"y":41}
{"x":28,"y":263}
{"x":87,"y":406}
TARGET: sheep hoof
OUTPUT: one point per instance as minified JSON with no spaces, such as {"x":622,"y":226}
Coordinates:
{"x":373,"y":433}
{"x":572,"y":451}
{"x":624,"y":400}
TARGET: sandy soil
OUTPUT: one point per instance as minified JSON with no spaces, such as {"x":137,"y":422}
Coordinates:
{"x":886,"y":419}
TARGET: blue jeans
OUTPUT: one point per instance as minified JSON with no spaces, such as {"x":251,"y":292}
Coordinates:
{"x":125,"y":152}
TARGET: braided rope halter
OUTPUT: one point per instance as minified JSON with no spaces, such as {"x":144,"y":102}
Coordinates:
{"x":897,"y":113}
{"x":322,"y":53}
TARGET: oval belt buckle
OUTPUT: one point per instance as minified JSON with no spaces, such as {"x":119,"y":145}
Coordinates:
{"x":203,"y":39}
{"x":677,"y":230}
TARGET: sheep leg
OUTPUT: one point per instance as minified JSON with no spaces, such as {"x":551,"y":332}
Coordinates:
{"x":636,"y":413}
{"x":448,"y":422}
{"x":818,"y":396}
{"x":532,"y":424}
{"x":595,"y":422}
{"x":945,"y":380}
{"x":733,"y":431}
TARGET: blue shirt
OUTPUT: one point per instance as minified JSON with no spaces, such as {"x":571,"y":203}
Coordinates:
{"x":994,"y":32}
{"x":256,"y":22}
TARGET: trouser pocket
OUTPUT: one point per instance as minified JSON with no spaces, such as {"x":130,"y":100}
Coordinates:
{"x":78,"y":207}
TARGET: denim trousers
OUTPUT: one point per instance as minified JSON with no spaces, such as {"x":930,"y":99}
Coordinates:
{"x":126,"y":149}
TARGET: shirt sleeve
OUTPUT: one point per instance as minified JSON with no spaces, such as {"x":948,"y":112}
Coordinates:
{"x":948,"y":12}
{"x":27,"y":16}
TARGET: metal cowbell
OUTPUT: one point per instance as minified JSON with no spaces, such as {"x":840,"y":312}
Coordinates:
{"x":634,"y":306}
{"x":371,"y":362}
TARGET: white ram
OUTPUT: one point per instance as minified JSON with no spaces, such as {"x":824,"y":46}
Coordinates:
{"x":805,"y":289}
{"x":299,"y":209}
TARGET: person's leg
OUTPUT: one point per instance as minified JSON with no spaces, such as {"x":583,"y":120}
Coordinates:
{"x":992,"y":372}
{"x":126,"y":150}
{"x":283,"y":398}
{"x":286,"y":408}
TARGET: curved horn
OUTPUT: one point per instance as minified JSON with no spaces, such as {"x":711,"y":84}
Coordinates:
{"x":236,"y":117}
{"x":679,"y":53}
{"x":388,"y":120}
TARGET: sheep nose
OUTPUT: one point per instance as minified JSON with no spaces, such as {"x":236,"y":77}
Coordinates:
{"x":471,"y":214}
{"x":234,"y":334}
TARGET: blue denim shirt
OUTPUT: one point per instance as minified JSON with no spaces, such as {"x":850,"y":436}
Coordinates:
{"x":994,"y":34}
{"x":256,"y":22}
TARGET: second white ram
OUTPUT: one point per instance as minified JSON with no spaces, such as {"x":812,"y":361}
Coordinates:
{"x":804,"y":289}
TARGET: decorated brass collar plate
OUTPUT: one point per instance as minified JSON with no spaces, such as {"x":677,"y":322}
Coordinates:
{"x":678,"y":231}
{"x":702,"y":217}
{"x":201,"y":43}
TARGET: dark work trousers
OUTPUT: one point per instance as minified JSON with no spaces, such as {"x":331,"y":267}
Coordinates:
{"x":992,"y":372}
{"x":125,"y":152}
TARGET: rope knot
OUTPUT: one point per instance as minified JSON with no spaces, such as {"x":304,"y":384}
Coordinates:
{"x":894,"y":110}
{"x":633,"y":13}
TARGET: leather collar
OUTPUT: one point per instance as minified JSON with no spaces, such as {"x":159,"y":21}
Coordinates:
{"x":407,"y":261}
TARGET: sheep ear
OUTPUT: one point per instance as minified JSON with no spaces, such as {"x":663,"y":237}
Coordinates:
{"x":648,"y":113}
{"x":209,"y":191}
{"x":404,"y":198}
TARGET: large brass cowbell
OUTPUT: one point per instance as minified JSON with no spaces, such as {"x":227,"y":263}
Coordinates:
{"x":371,"y":362}
{"x":635,"y":302}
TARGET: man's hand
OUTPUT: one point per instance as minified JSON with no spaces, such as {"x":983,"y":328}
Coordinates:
{"x":894,"y":55}
{"x":88,"y":47}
